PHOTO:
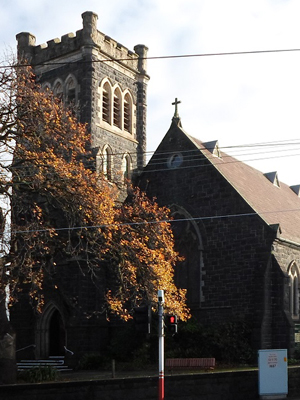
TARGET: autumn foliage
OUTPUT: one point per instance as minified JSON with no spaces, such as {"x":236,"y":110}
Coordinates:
{"x":63,"y":209}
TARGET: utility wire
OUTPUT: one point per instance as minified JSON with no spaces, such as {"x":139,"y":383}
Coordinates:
{"x":157,"y":164}
{"x":211,"y":217}
{"x":232,"y":53}
{"x":245,"y":147}
{"x":161,"y":169}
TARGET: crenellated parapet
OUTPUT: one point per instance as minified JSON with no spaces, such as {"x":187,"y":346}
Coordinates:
{"x":106,"y":84}
{"x":87,"y":37}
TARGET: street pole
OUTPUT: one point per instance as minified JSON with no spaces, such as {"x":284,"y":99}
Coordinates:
{"x":161,"y":383}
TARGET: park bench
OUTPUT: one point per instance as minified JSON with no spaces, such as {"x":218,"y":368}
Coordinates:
{"x":206,"y":363}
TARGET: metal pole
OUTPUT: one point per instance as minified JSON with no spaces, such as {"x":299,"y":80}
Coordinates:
{"x":161,"y":383}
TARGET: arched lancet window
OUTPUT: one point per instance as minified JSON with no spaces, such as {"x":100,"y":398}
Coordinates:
{"x":107,"y":163}
{"x":128,"y":113}
{"x":46,"y":86}
{"x":293,"y":272}
{"x":106,"y":103}
{"x":188,"y":242}
{"x":71,"y":87}
{"x":117,"y":117}
{"x":126,"y":168}
{"x":58,"y":89}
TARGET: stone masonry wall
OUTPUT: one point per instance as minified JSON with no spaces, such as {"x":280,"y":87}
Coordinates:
{"x":216,"y":386}
{"x":284,"y":254}
{"x":236,"y":250}
{"x":90,"y":56}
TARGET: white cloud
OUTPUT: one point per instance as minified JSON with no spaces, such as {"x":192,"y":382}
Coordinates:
{"x":236,"y":99}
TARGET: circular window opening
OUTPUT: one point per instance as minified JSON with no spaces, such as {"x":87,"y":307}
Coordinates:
{"x":175,"y":160}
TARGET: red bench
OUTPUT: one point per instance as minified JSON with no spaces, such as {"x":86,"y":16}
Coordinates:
{"x":207,"y":363}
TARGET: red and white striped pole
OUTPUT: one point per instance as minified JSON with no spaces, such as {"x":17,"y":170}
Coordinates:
{"x":161,"y":351}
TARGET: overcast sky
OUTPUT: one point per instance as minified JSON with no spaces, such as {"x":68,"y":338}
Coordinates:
{"x":236,"y":99}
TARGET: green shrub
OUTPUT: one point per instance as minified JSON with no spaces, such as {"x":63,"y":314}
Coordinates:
{"x":293,"y":361}
{"x":92,"y":361}
{"x":141,"y":356}
{"x":125,"y":343}
{"x":39,"y":374}
{"x":228,"y":343}
{"x":297,"y":351}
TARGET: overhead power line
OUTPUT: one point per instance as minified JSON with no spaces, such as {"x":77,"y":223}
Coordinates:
{"x":210,"y":217}
{"x":262,"y":146}
{"x":217,"y":54}
{"x":189,"y":156}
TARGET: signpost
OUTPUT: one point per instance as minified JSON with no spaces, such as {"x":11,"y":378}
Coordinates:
{"x":161,"y":373}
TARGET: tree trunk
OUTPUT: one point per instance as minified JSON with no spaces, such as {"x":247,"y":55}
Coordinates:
{"x":8,"y":369}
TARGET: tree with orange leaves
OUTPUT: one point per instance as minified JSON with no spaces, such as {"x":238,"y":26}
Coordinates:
{"x":62,"y":209}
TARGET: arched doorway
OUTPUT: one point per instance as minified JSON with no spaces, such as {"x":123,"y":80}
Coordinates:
{"x":51,"y":333}
{"x":57,"y":335}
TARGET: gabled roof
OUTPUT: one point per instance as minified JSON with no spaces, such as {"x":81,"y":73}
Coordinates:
{"x":276,"y":203}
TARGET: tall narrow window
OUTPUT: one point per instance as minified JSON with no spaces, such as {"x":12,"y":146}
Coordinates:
{"x":127,"y":113}
{"x":58,"y":90}
{"x":189,"y":272}
{"x":117,"y":108}
{"x":294,"y":290}
{"x":106,"y":103}
{"x":107,"y":163}
{"x":71,"y":91}
{"x":296,"y":296}
{"x":46,"y":86}
{"x":126,"y":168}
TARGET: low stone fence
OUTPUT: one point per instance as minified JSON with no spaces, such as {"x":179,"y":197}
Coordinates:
{"x":208,"y":386}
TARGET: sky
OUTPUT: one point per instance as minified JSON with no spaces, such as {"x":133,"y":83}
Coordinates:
{"x":250,"y":103}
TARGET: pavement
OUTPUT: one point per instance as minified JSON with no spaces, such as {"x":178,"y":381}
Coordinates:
{"x":100,"y":375}
{"x":77,"y":376}
{"x":70,"y":376}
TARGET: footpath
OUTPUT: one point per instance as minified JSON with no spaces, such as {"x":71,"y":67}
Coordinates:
{"x":142,"y":385}
{"x":76,"y":376}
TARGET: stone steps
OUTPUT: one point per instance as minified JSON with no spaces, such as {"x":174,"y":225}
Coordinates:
{"x":56,"y":362}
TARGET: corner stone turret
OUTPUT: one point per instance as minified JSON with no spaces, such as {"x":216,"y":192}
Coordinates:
{"x":89,"y":32}
{"x":142,"y":51}
{"x":26,"y":44}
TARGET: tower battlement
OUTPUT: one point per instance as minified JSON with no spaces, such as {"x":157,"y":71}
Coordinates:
{"x":106,"y":83}
{"x":88,"y":36}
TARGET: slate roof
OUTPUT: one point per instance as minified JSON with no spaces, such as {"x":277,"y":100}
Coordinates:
{"x":275,"y":204}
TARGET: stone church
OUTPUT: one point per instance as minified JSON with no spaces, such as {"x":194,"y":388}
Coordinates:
{"x":236,"y":227}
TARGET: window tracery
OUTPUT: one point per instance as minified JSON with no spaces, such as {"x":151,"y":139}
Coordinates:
{"x":106,"y":100}
{"x":127,"y":113}
{"x":293,"y":272}
{"x":71,"y":88}
{"x":190,"y":271}
{"x":116,"y":107}
{"x":46,"y":86}
{"x":58,"y":89}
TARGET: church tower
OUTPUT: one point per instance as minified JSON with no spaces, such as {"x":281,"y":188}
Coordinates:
{"x":107,"y":84}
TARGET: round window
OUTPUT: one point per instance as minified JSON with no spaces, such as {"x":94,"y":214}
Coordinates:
{"x":175,"y":160}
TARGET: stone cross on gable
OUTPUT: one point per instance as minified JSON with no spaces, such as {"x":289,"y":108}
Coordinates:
{"x":176,"y":102}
